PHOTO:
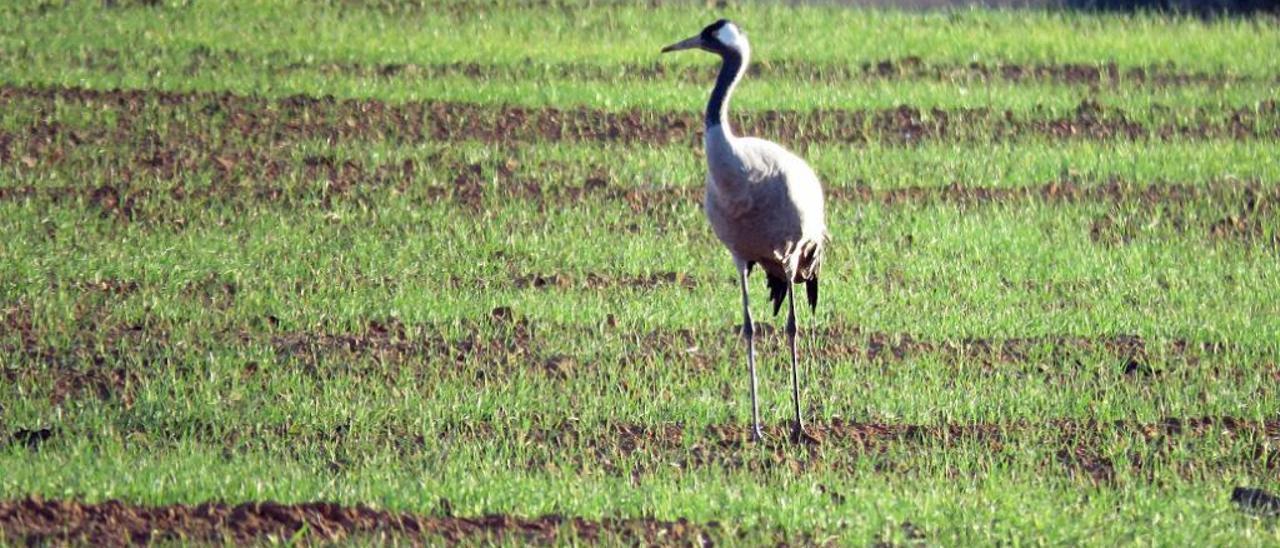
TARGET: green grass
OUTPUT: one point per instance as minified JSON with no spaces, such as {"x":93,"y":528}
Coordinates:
{"x":250,"y":333}
{"x":171,"y":70}
{"x":228,"y":48}
{"x":614,"y":34}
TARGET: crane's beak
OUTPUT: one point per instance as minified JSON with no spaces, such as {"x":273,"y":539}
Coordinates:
{"x":688,"y":43}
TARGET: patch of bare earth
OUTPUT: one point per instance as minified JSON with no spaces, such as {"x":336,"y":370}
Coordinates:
{"x":103,"y":359}
{"x":502,"y":348}
{"x":114,"y":523}
{"x":1088,"y":451}
{"x":1109,"y":75}
{"x":264,"y":123}
{"x":98,"y":361}
{"x":1247,"y":205}
{"x":1082,"y":449}
{"x":148,"y":178}
{"x":592,"y":280}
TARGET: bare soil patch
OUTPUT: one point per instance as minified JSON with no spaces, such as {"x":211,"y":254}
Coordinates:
{"x":593,"y":280}
{"x":1069,"y":190}
{"x":261,"y":121}
{"x":151,"y":187}
{"x":115,"y":523}
{"x":840,"y":432}
{"x":1082,"y":449}
{"x":283,"y":63}
{"x":907,"y":68}
{"x":510,"y":346}
{"x":100,"y":360}
{"x":1047,"y":355}
{"x":104,"y":359}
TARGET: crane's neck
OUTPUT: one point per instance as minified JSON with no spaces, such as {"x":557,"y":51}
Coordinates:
{"x":733,"y":65}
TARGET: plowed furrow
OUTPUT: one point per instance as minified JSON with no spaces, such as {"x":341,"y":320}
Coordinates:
{"x":114,"y":523}
{"x":302,"y":118}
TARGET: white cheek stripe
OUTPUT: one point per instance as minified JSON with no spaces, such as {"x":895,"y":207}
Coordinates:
{"x":729,"y":35}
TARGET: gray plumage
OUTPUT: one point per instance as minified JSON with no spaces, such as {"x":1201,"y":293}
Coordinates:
{"x":764,"y":203}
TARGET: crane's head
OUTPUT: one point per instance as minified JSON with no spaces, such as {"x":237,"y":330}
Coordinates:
{"x":721,"y":37}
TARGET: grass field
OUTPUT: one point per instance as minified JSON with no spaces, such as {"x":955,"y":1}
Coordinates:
{"x":445,"y":267}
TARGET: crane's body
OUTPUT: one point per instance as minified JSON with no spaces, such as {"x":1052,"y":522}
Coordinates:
{"x":754,"y":201}
{"x":764,"y":203}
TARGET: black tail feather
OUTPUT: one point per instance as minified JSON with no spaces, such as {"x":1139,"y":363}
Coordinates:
{"x":811,"y":291}
{"x":777,"y":292}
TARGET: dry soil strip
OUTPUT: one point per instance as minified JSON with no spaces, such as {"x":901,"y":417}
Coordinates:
{"x":1241,"y":211}
{"x":630,"y":437}
{"x":1108,"y":74}
{"x":909,"y":68}
{"x":240,"y":177}
{"x":102,"y":360}
{"x":236,"y":170}
{"x":1078,"y":448}
{"x":114,"y":523}
{"x":508,"y":335}
{"x":281,"y":121}
{"x":255,"y":177}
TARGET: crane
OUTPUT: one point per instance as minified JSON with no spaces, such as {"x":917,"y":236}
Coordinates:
{"x":764,"y":203}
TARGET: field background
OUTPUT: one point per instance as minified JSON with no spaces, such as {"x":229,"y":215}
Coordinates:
{"x":448,"y":261}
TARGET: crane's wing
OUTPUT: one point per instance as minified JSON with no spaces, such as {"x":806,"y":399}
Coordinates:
{"x":777,"y":288}
{"x":811,"y":263}
{"x":811,"y":291}
{"x":777,"y":292}
{"x":808,"y":259}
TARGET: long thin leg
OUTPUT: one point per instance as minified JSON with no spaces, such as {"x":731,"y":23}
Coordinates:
{"x":748,"y":333}
{"x":797,"y":427}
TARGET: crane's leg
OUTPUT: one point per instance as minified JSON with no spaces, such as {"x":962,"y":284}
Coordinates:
{"x":797,"y":428}
{"x":748,"y":333}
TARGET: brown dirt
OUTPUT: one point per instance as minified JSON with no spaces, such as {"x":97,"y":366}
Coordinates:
{"x":579,"y":281}
{"x":506,"y":343}
{"x":854,"y":342}
{"x":839,"y":446}
{"x":1066,"y":190}
{"x":98,"y":361}
{"x":247,"y":160}
{"x":1250,"y":219}
{"x":256,"y":122}
{"x":509,"y":340}
{"x":839,"y":432}
{"x":107,"y":286}
{"x":256,"y":166}
{"x":1109,"y":75}
{"x":593,"y":280}
{"x":241,"y":177}
{"x":80,"y":374}
{"x":1248,"y":216}
{"x":107,"y":360}
{"x":470,"y":8}
{"x":114,"y":523}
{"x":513,"y":344}
{"x":911,"y":67}
{"x":1084,"y":462}
{"x":103,"y":383}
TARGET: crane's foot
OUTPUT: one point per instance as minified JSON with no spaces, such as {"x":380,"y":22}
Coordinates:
{"x":757,"y":435}
{"x":800,"y":437}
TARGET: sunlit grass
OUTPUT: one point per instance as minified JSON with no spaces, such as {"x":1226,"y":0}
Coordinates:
{"x":453,"y":334}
